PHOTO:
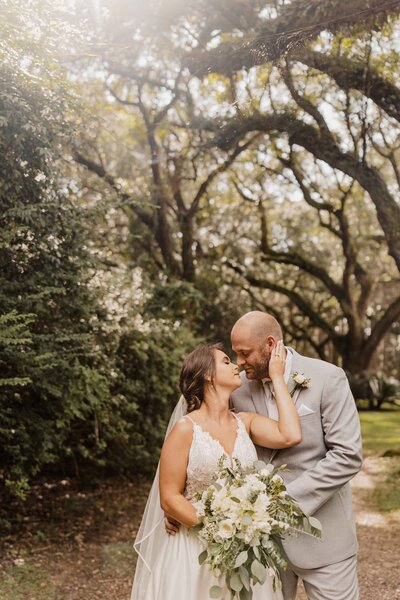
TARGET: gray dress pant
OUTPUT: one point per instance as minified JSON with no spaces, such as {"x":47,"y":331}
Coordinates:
{"x":331,"y":582}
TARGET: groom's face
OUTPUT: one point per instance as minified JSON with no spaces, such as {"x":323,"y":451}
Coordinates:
{"x":251,"y":356}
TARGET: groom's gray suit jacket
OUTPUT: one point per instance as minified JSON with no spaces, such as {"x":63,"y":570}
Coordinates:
{"x":322,"y":465}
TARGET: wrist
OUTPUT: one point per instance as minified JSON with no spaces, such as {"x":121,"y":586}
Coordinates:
{"x":277,"y":378}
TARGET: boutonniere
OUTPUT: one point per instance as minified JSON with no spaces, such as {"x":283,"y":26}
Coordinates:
{"x":301,"y":382}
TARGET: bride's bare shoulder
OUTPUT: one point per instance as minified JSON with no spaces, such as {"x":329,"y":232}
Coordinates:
{"x":182,"y":428}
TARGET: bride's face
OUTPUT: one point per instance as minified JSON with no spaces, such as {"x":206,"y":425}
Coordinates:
{"x":226,"y":372}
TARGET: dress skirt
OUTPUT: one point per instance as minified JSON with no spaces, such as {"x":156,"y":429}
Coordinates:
{"x":177,"y":574}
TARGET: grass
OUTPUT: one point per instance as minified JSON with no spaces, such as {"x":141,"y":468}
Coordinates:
{"x":119,"y":557}
{"x":381,"y":435}
{"x":387,"y":494}
{"x":25,"y":582}
{"x":380,"y":431}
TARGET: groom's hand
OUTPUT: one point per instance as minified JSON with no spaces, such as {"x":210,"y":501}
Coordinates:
{"x":171,"y":526}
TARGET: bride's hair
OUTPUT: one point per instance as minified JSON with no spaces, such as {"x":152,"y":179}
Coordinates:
{"x":198,"y":369}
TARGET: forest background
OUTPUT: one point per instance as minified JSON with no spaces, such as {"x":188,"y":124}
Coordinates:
{"x":165,"y":168}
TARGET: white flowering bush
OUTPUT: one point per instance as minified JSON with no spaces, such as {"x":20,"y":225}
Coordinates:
{"x":243,"y":515}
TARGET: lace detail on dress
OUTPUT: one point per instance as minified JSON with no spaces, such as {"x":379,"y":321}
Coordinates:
{"x":204,"y":455}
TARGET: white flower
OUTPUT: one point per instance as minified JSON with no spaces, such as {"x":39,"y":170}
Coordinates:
{"x":255,"y":484}
{"x":220,"y":501}
{"x":300,"y":380}
{"x":242,"y":492}
{"x":226,"y":528}
{"x":267,"y":470}
{"x":261,"y":505}
{"x":200,"y":508}
{"x":277,"y":478}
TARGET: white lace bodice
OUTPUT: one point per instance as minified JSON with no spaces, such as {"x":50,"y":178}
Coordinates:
{"x":204,"y":455}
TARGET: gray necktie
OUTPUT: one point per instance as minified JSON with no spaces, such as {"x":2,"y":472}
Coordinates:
{"x":270,"y":401}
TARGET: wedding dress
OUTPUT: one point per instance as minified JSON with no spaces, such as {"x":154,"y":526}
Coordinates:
{"x":176,"y":573}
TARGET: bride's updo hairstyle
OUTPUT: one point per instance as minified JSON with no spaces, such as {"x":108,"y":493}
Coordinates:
{"x":197,"y":371}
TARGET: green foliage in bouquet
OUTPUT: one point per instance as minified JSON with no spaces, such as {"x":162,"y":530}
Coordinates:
{"x":243,"y":517}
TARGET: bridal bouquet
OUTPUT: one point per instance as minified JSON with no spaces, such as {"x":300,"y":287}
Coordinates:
{"x":243,"y":515}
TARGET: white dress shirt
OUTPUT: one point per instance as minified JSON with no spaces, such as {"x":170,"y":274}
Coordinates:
{"x":269,"y":388}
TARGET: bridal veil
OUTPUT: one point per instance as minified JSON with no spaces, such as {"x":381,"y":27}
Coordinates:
{"x":151,"y":527}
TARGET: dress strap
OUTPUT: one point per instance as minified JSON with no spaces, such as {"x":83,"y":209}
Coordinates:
{"x":190,"y":419}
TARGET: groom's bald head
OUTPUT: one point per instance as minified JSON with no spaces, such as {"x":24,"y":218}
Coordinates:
{"x":253,"y":337}
{"x":257,"y":326}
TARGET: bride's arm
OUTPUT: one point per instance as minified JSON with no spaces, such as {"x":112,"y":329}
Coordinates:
{"x":173,"y":463}
{"x":285,"y":432}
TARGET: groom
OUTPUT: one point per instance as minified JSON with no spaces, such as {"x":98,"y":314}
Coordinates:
{"x":320,"y":467}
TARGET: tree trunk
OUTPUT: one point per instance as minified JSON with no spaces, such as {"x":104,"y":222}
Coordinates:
{"x":188,"y":267}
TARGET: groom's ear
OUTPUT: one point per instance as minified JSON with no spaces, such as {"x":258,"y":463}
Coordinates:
{"x":270,"y":342}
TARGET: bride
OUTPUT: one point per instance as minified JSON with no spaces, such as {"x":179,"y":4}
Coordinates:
{"x":168,"y":567}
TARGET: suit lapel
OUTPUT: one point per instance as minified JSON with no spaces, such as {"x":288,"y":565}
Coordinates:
{"x":296,"y":366}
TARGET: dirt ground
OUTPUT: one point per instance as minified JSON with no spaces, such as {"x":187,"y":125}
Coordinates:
{"x":77,"y":544}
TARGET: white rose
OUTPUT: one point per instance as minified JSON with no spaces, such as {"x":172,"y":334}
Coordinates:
{"x":226,"y":528}
{"x":299,"y":379}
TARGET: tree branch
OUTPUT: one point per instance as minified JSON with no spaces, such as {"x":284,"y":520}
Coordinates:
{"x":296,"y":298}
{"x":323,"y":148}
{"x":297,"y":22}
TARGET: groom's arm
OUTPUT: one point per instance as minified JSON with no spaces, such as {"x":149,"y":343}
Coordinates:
{"x":343,"y":459}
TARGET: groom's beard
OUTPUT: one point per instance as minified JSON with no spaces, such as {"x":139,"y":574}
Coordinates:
{"x":259,"y":369}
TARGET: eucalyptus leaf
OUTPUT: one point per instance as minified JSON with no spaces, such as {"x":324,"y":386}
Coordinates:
{"x":241,"y":559}
{"x":315,"y":523}
{"x":244,"y":576}
{"x":260,"y":464}
{"x":235,"y":582}
{"x":215,"y":591}
{"x":202,"y":557}
{"x":259,"y":571}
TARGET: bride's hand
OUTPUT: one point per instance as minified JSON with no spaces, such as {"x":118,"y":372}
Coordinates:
{"x":277,"y":361}
{"x":171,"y":526}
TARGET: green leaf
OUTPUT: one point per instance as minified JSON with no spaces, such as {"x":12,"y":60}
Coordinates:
{"x":259,"y":571}
{"x":245,"y":577}
{"x":235,"y":582}
{"x":315,"y":523}
{"x":241,"y":559}
{"x":215,"y":591}
{"x":202,"y":557}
